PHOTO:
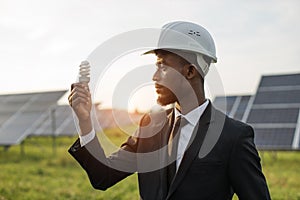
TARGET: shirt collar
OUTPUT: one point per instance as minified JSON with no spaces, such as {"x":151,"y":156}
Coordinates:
{"x":194,"y":115}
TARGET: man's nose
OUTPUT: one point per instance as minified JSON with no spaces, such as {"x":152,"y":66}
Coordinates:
{"x":155,"y":76}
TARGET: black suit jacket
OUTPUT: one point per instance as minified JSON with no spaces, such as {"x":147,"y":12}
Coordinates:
{"x":220,"y":159}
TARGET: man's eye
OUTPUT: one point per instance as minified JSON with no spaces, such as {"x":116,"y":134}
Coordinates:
{"x":161,"y":67}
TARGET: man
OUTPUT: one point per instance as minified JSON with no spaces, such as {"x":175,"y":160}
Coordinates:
{"x":207,"y":156}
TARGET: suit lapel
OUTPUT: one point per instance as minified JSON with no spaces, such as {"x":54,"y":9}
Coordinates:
{"x":193,"y":147}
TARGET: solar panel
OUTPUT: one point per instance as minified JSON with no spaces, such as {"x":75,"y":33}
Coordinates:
{"x":10,"y":104}
{"x":21,"y":113}
{"x":58,"y":121}
{"x":234,"y":106}
{"x":274,"y":138}
{"x":68,"y":129}
{"x":64,"y":121}
{"x":243,"y":104}
{"x":275,"y":112}
{"x":224,"y":103}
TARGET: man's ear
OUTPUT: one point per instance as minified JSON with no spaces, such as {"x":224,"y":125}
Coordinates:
{"x":189,"y":71}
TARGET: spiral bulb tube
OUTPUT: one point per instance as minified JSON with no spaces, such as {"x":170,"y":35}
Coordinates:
{"x":84,"y":72}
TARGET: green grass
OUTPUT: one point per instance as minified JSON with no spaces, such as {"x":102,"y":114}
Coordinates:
{"x":282,"y":170}
{"x":41,"y":174}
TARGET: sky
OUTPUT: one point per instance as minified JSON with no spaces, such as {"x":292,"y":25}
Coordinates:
{"x":43,"y":42}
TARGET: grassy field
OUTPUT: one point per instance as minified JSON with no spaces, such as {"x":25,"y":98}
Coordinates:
{"x":41,"y":174}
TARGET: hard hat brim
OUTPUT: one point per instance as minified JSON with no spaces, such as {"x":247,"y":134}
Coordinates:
{"x":152,"y":51}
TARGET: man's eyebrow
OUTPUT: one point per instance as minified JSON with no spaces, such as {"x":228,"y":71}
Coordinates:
{"x":161,"y":61}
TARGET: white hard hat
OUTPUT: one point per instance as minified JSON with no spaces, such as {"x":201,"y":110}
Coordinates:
{"x":190,"y":37}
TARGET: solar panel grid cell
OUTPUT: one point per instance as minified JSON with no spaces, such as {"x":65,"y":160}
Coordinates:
{"x":44,"y":127}
{"x":4,"y":117}
{"x":272,"y":97}
{"x":274,"y":138}
{"x":288,"y":115}
{"x":280,"y":80}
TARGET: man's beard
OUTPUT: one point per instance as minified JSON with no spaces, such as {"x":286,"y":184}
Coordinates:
{"x":165,"y":100}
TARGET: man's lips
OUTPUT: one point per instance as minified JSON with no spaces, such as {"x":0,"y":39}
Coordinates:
{"x":159,"y":88}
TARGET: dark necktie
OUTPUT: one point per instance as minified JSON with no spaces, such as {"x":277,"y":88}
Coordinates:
{"x":172,"y":148}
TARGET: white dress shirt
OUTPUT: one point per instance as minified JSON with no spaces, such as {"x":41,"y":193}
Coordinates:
{"x":84,"y":139}
{"x":185,"y":134}
{"x":186,"y":131}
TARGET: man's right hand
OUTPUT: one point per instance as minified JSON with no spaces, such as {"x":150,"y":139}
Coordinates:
{"x":80,"y":101}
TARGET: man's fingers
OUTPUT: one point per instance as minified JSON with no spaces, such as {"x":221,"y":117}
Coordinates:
{"x":80,"y":100}
{"x":81,"y":89}
{"x":79,"y":94}
{"x":77,"y":101}
{"x":78,"y":97}
{"x":80,"y":85}
{"x":75,"y":94}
